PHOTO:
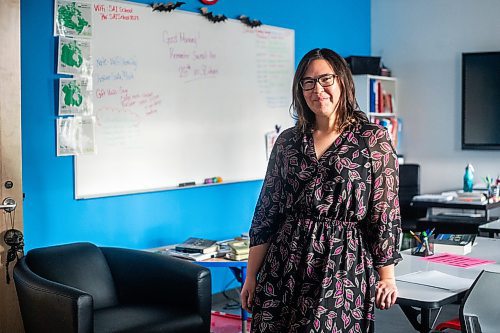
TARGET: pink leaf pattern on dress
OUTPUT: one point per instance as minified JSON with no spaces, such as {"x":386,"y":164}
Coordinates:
{"x":327,"y":281}
{"x":328,"y":324}
{"x":269,"y":289}
{"x":346,"y":319}
{"x":349,"y":294}
{"x":270,"y":304}
{"x":338,"y":250}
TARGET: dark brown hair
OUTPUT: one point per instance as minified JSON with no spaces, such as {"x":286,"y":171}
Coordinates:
{"x":347,"y":112}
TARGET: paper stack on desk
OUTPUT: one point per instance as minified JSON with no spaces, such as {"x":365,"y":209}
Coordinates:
{"x":437,"y":279}
{"x":473,"y":197}
{"x":433,"y":197}
{"x":239,"y":249}
{"x":189,"y":256}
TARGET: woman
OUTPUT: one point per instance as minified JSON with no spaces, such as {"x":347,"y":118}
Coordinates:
{"x":327,"y":221}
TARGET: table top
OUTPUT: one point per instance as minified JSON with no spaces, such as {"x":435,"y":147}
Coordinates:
{"x":432,"y":297}
{"x":491,"y":226}
{"x":212,"y":262}
{"x":456,"y":204}
{"x":221,"y":262}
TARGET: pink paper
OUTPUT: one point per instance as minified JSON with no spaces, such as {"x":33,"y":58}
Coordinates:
{"x":457,"y":260}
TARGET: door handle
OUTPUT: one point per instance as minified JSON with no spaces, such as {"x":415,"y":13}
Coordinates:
{"x":8,"y":205}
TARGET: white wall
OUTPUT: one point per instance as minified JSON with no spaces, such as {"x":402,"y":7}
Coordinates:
{"x":422,"y":41}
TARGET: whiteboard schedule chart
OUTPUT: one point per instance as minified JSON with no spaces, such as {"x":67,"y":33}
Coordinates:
{"x":178,"y":99}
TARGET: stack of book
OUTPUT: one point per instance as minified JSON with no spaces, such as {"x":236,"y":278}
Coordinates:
{"x":392,"y":125}
{"x":473,"y":197}
{"x":196,"y":249}
{"x":239,"y":249}
{"x":454,"y":243}
{"x":381,"y":101}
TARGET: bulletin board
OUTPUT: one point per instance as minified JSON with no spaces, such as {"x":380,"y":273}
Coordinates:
{"x":178,"y":99}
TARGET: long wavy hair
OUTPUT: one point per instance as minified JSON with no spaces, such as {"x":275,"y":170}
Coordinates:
{"x":347,"y":112}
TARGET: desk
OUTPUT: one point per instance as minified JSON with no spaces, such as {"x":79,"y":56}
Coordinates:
{"x":491,"y":228}
{"x":427,"y":299}
{"x":450,"y":224}
{"x":239,"y":269}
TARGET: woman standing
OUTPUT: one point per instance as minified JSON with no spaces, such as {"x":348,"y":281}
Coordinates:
{"x":327,"y":222}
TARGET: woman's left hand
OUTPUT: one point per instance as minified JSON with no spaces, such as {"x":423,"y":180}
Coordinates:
{"x":386,"y":294}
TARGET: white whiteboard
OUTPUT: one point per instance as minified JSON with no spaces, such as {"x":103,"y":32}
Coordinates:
{"x":178,"y":99}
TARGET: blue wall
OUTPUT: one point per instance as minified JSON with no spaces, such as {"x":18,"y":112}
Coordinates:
{"x":52,"y":216}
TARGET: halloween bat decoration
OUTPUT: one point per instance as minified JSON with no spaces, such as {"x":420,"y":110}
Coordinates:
{"x":249,"y":22}
{"x":211,"y":17}
{"x":166,"y":7}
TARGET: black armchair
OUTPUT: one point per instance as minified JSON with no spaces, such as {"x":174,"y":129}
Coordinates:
{"x":84,"y":288}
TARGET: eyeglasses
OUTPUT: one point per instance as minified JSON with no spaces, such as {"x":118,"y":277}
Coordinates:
{"x":324,"y":80}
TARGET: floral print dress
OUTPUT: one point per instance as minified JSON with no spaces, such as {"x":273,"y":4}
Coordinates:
{"x":330,"y":222}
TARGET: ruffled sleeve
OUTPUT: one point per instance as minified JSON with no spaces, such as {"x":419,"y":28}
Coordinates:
{"x":269,"y":208}
{"x":384,"y":222}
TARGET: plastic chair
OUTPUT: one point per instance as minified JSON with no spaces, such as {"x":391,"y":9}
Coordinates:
{"x":480,"y":308}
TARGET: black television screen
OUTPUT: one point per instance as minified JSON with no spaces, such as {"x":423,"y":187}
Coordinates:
{"x":481,"y":100}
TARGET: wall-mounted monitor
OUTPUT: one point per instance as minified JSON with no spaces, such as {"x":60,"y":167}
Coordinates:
{"x":481,"y":100}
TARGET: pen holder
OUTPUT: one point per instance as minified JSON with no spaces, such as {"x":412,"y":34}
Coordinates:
{"x":417,"y":249}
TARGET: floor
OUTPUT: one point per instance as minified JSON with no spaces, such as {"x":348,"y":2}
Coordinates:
{"x":389,"y":321}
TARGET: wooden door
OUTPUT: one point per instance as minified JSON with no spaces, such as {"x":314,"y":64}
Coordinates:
{"x":10,"y":152}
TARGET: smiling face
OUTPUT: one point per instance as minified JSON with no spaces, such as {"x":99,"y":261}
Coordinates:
{"x":321,"y":100}
{"x":332,"y":104}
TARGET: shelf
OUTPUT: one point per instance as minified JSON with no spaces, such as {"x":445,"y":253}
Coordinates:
{"x":456,"y":204}
{"x":379,"y":77}
{"x":363,"y":89}
{"x":461,"y":220}
{"x":384,"y":114}
{"x":379,"y":93}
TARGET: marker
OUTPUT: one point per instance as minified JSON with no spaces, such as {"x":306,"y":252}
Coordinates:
{"x":187,"y":184}
{"x":415,"y":236}
{"x":426,"y":243}
{"x":424,"y":234}
{"x":420,"y":243}
{"x":212,"y":180}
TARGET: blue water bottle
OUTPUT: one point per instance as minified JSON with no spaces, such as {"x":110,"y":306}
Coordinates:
{"x":469,"y":178}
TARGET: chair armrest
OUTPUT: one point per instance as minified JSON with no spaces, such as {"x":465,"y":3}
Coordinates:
{"x":144,"y":277}
{"x":48,"y":306}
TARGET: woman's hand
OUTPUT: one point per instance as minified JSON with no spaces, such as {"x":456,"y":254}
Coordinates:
{"x":386,"y":293}
{"x":247,"y":293}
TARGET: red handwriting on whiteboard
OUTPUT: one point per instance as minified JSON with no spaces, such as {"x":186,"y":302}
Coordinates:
{"x":101,"y":93}
{"x":115,"y":13}
{"x":175,"y":37}
{"x":147,"y":100}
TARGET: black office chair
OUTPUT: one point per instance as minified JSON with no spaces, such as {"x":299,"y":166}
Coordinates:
{"x":409,"y":186}
{"x":84,"y":288}
{"x":480,"y":308}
